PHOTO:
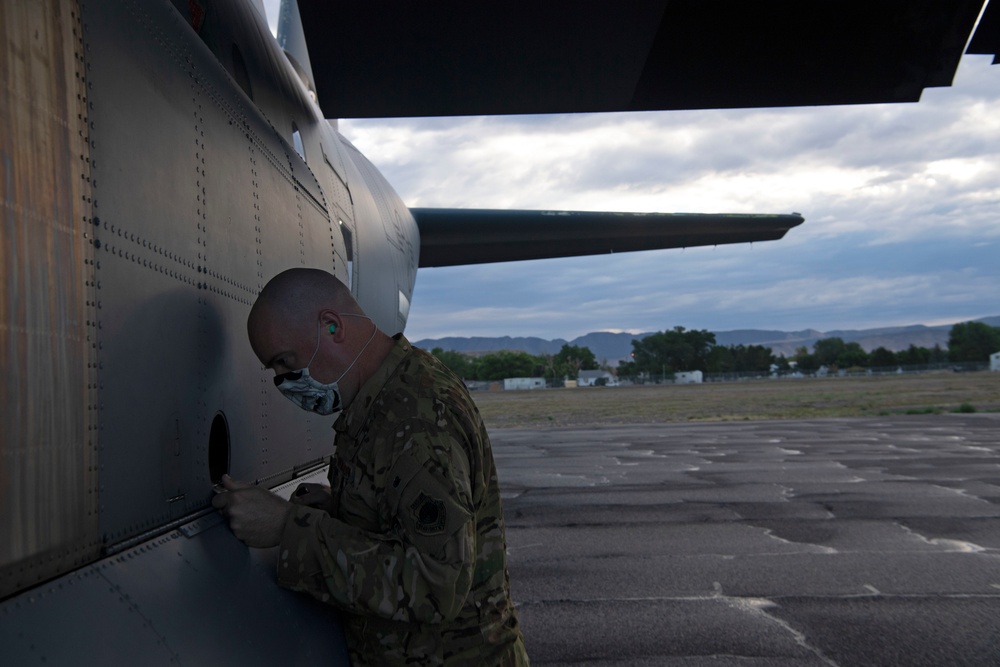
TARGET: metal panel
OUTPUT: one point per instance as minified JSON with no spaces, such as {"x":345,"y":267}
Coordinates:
{"x":147,"y":199}
{"x":48,"y":518}
{"x":158,"y":337}
{"x":386,"y":236}
{"x":194,"y":596}
{"x":186,"y":243}
{"x":294,"y":230}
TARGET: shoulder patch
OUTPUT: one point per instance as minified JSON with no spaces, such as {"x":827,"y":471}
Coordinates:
{"x":429,"y":513}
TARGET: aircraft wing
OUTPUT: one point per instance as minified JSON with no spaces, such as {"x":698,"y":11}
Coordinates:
{"x":454,"y":57}
{"x":453,"y":237}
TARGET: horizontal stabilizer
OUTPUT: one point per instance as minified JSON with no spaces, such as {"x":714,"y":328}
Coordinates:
{"x":454,"y":236}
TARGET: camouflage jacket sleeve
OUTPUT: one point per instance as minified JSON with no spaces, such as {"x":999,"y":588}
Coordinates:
{"x":418,"y":568}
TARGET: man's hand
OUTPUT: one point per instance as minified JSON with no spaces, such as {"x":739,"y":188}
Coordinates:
{"x":255,"y":515}
{"x":313,"y":495}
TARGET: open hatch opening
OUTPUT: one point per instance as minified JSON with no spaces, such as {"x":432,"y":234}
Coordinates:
{"x":218,"y":448}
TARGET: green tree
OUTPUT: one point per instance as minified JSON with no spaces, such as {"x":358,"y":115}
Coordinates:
{"x":671,"y":351}
{"x":628,"y":368}
{"x":914,"y":356}
{"x":805,"y":361}
{"x":937,"y":355}
{"x":882,"y":358}
{"x":782,"y":363}
{"x":720,"y":360}
{"x":572,"y":359}
{"x":701,"y":341}
{"x":739,"y":359}
{"x":827,"y":350}
{"x":752,"y":358}
{"x":460,"y":364}
{"x":852,"y":355}
{"x":508,"y":364}
{"x":548,"y":364}
{"x":973,"y":341}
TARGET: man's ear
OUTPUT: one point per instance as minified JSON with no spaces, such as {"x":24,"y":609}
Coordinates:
{"x":332,"y":325}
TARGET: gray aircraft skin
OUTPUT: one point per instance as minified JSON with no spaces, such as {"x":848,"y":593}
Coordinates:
{"x":160,"y":161}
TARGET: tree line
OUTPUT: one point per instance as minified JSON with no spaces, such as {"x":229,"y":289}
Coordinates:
{"x":968,"y":342}
{"x":679,"y":350}
{"x":683,"y":350}
{"x":567,"y":363}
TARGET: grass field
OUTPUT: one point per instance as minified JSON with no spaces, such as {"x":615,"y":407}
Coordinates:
{"x":802,"y":398}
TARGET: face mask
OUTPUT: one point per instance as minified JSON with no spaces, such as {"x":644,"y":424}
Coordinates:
{"x":308,"y":393}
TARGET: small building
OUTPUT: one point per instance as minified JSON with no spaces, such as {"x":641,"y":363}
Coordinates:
{"x":995,"y":361}
{"x":689,"y":377}
{"x":596,"y":379}
{"x":524,"y":383}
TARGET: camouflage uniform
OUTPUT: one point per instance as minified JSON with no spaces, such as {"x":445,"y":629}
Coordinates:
{"x":413,"y":550}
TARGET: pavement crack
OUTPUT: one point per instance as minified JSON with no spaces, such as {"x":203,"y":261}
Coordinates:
{"x":947,"y":544}
{"x":758,"y":606}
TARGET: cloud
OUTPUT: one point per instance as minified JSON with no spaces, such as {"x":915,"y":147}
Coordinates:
{"x":768,"y":286}
{"x":901,"y":206}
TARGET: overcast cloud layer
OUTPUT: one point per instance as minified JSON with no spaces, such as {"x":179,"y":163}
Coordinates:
{"x":902,"y":208}
{"x":901,"y":205}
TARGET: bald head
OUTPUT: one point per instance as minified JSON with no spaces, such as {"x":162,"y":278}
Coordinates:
{"x":288,"y":309}
{"x":307,"y":318}
{"x":296,"y":296}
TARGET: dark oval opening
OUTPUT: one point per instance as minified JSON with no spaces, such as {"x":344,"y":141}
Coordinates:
{"x":218,"y":448}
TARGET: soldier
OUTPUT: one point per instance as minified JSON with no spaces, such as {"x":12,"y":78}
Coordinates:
{"x":408,"y":540}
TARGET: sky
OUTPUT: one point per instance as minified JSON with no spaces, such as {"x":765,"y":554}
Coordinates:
{"x":901,"y":202}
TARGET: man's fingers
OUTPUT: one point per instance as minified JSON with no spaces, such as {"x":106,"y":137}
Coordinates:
{"x":230,"y":484}
{"x":255,"y":515}
{"x":308,"y":489}
{"x":311,"y":495}
{"x":222,"y":499}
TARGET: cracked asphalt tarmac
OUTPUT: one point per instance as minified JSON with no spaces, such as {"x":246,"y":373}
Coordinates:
{"x":849,"y":542}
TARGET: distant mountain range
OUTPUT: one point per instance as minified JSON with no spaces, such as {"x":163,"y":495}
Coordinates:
{"x":614,"y":347}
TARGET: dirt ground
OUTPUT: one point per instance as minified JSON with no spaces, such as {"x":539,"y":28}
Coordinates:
{"x":802,"y":398}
